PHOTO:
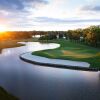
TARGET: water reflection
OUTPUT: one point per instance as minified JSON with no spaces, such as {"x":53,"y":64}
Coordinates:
{"x":33,"y":82}
{"x":7,"y":52}
{"x":35,"y":46}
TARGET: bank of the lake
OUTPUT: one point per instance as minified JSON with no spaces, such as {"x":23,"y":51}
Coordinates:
{"x":14,"y":43}
{"x":33,"y":82}
{"x":4,"y":95}
{"x":73,"y":51}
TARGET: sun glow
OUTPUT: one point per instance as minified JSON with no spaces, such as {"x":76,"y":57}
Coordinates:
{"x":2,"y":29}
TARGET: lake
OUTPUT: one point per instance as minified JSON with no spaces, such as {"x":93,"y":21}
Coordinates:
{"x":33,"y":82}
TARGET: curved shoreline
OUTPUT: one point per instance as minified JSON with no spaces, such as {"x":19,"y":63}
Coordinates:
{"x":28,"y":57}
{"x":59,"y":63}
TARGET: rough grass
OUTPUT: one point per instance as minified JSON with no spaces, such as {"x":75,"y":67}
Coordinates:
{"x":13,"y":43}
{"x":75,"y":55}
{"x":9,"y":44}
{"x":4,"y":95}
{"x":73,"y":51}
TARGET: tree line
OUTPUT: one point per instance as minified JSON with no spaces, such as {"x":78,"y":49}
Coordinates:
{"x":89,"y":36}
{"x":12,"y":35}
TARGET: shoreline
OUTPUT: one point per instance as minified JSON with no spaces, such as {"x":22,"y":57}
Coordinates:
{"x":33,"y":59}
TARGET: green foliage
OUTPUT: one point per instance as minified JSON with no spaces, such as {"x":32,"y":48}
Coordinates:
{"x":88,"y":36}
{"x":48,"y":36}
{"x":75,"y":52}
{"x":91,"y":35}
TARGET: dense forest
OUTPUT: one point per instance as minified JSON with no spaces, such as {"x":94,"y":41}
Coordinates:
{"x":89,"y":36}
{"x":12,"y":35}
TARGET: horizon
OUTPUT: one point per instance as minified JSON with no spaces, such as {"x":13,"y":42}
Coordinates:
{"x":50,"y":49}
{"x":48,"y":15}
{"x":4,"y":31}
{"x":45,"y":30}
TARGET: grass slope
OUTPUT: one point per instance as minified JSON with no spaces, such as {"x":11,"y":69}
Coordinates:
{"x":5,"y":95}
{"x":73,"y":51}
{"x":13,"y":43}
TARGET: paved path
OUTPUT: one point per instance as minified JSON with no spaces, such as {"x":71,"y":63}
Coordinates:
{"x":46,"y":61}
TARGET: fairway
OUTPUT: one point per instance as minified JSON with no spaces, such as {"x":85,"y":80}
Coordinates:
{"x":73,"y":51}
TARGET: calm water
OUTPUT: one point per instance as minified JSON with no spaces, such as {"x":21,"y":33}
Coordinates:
{"x":33,"y":82}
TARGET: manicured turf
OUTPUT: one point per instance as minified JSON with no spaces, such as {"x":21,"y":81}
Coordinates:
{"x":73,"y":51}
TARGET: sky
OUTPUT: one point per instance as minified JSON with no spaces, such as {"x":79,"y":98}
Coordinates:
{"x":59,"y":15}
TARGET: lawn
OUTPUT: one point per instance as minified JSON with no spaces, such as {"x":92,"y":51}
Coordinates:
{"x":73,"y":51}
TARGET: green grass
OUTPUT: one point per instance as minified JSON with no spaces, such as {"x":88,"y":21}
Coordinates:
{"x":4,"y":95}
{"x":73,"y":51}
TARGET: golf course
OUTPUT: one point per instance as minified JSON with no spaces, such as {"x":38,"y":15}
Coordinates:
{"x":73,"y":51}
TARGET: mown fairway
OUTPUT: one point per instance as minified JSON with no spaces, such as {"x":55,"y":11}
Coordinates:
{"x":73,"y":51}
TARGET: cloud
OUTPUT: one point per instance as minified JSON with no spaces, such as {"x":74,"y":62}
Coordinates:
{"x":48,"y":19}
{"x":90,"y":8}
{"x":11,"y":5}
{"x":25,"y":14}
{"x":19,"y":5}
{"x":15,"y":14}
{"x":63,"y":21}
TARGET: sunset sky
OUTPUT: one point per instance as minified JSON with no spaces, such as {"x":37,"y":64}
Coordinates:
{"x":48,"y":14}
